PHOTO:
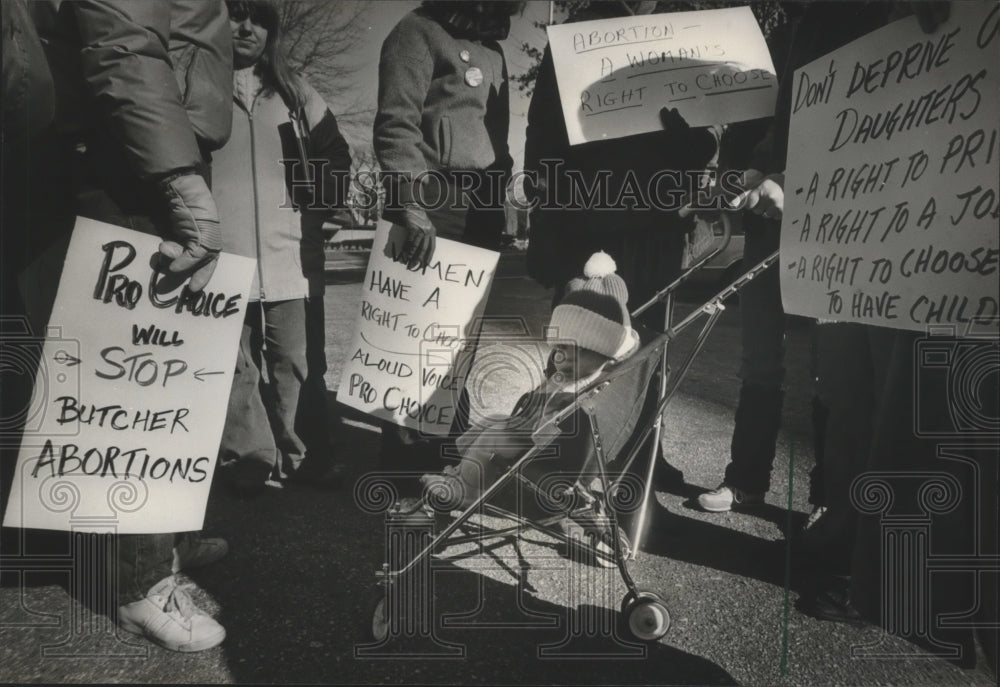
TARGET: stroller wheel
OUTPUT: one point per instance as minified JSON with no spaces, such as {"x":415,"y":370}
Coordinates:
{"x":380,"y":619}
{"x":647,"y":617}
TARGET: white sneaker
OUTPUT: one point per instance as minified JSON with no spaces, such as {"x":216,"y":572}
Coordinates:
{"x":168,"y":617}
{"x":725,"y":498}
{"x":197,"y":552}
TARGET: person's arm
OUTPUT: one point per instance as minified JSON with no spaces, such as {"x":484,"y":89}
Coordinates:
{"x":498,"y":124}
{"x":327,"y":145}
{"x":762,"y":195}
{"x":29,"y":99}
{"x":126,"y":65}
{"x":545,"y":137}
{"x":405,"y":73}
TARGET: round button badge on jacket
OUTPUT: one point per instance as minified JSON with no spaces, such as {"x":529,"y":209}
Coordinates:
{"x":464,"y":56}
{"x":473,"y":76}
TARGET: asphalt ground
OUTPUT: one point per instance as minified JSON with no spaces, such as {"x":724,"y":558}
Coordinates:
{"x":297,"y":590}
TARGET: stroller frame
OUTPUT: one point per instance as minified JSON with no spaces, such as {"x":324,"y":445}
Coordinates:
{"x":645,"y":612}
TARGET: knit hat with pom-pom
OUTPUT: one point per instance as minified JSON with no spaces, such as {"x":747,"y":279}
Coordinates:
{"x":594,"y":311}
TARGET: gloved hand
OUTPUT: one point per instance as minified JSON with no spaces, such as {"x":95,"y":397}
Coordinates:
{"x":193,"y":249}
{"x":418,"y":248}
{"x":673,"y":123}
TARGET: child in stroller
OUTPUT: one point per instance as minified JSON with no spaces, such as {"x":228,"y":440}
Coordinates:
{"x":589,"y":329}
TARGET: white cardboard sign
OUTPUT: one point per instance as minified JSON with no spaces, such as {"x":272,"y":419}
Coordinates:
{"x":891,"y":191}
{"x":615,"y":75}
{"x":416,"y":332}
{"x":130,"y":398}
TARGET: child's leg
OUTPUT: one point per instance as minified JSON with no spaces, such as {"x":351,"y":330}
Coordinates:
{"x":476,"y":473}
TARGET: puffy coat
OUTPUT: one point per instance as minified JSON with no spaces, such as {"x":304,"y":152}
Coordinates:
{"x":29,"y":100}
{"x":156,"y":75}
{"x":259,"y":218}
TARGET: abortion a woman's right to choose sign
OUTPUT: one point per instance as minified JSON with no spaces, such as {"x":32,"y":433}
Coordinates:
{"x":892,"y":215}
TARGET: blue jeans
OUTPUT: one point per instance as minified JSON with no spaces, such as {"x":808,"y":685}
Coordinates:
{"x":143,"y":560}
{"x":763,"y":319}
{"x":313,"y":422}
{"x":261,"y":435}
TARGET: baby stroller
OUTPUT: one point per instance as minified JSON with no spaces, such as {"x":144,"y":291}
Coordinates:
{"x":622,"y":420}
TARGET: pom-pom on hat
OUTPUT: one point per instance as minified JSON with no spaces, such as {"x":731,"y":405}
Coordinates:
{"x":594,"y":311}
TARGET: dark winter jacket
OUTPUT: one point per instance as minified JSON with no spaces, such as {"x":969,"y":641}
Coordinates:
{"x":443,"y":101}
{"x":28,"y":94}
{"x":156,"y":75}
{"x":820,"y":27}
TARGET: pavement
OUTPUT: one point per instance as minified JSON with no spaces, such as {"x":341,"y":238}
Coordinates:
{"x":297,"y":590}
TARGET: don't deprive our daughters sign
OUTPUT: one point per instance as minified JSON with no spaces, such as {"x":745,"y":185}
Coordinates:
{"x":892,"y":212}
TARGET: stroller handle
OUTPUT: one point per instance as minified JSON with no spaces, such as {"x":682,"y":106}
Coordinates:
{"x":727,"y":233}
{"x":616,"y":369}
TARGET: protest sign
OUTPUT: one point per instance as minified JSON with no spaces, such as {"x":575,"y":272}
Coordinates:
{"x":416,"y":330}
{"x":615,"y":75}
{"x":891,"y":208}
{"x":130,"y":396}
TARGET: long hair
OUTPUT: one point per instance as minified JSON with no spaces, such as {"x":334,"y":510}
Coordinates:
{"x":273,"y":68}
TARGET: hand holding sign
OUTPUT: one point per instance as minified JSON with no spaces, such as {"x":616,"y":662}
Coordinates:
{"x":178,"y":262}
{"x":418,"y":248}
{"x":194,"y":220}
{"x":615,"y":75}
{"x":730,"y":196}
{"x":762,"y":195}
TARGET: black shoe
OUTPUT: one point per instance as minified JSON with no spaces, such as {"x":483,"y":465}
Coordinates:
{"x":834,"y":604}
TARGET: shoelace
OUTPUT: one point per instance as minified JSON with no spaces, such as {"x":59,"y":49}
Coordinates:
{"x":181,"y":602}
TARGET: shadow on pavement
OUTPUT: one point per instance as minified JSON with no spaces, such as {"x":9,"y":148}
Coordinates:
{"x":767,"y":512}
{"x":298,"y":589}
{"x":718,"y":547}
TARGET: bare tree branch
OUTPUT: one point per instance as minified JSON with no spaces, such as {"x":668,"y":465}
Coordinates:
{"x":321,"y":38}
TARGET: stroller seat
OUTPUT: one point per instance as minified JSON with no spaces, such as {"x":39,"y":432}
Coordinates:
{"x":578,"y":507}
